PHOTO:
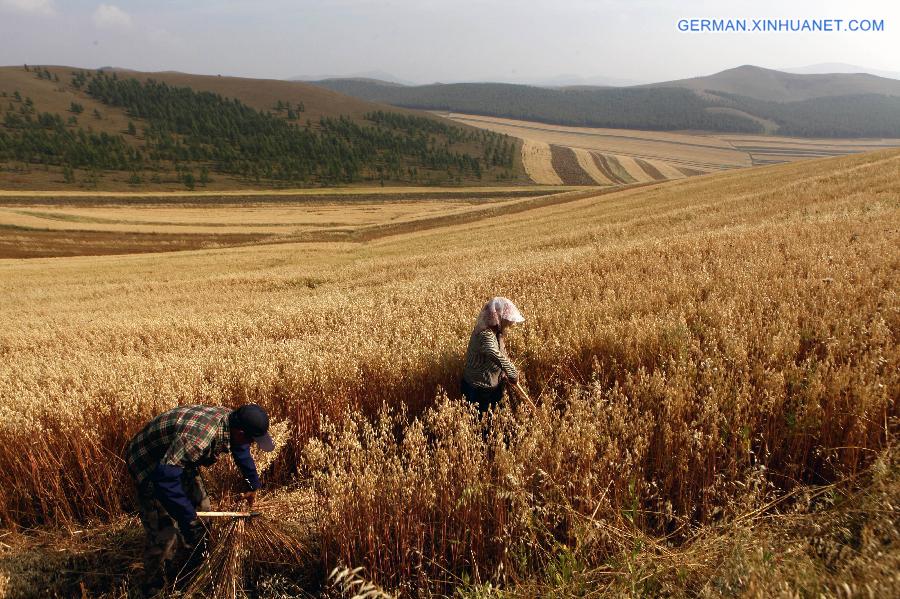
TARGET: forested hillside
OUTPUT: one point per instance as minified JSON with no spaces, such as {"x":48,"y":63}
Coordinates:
{"x":195,"y":136}
{"x":657,"y":109}
{"x":649,"y":108}
{"x":863,"y":115}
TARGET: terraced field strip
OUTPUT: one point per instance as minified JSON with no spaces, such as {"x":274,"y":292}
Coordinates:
{"x":687,"y":171}
{"x":610,"y":167}
{"x":634,"y":169}
{"x":650,"y":169}
{"x":567,"y":166}
{"x":669,"y":171}
{"x":588,"y":165}
{"x":538,"y":162}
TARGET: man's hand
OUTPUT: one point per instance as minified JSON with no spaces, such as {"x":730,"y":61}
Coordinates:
{"x":249,"y":497}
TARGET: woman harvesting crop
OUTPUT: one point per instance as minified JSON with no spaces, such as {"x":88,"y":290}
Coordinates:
{"x":488,"y":367}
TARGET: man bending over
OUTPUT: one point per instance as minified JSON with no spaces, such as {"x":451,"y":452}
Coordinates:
{"x":164,"y":460}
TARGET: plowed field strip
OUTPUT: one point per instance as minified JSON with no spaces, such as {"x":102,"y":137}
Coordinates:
{"x":611,"y":168}
{"x":20,"y":242}
{"x":589,"y":165}
{"x":565,"y":163}
{"x":632,"y":168}
{"x":669,"y":171}
{"x":650,"y":170}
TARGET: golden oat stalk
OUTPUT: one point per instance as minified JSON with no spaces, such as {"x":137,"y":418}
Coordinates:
{"x":353,"y":584}
{"x":238,"y":547}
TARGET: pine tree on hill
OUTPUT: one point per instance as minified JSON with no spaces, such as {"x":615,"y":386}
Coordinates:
{"x":184,"y":127}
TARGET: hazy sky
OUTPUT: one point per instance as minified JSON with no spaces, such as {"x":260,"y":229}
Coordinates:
{"x":431,"y":40}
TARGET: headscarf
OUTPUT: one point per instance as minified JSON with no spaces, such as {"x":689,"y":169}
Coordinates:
{"x":496,"y":310}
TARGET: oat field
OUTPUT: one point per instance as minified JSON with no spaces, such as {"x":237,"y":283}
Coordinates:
{"x":703,"y":353}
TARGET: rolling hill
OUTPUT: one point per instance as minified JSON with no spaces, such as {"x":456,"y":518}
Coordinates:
{"x":743,"y":100}
{"x":261,"y":94}
{"x":777,"y":86}
{"x":116,"y":129}
{"x":628,"y":108}
{"x":839,"y":67}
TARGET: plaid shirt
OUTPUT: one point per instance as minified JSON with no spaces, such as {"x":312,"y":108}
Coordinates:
{"x":187,"y":437}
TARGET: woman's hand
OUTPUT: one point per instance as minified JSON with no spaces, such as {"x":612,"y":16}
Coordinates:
{"x":510,"y":379}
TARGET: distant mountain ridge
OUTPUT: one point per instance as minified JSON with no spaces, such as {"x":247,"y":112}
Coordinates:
{"x":380,"y":76}
{"x":839,"y":67}
{"x":562,"y":80}
{"x":777,"y":86}
{"x":745,"y":99}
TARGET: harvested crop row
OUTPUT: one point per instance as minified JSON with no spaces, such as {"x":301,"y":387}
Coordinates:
{"x":589,"y":166}
{"x":650,"y":170}
{"x":538,"y":162}
{"x":668,"y":170}
{"x":610,"y":167}
{"x":689,"y":172}
{"x":566,"y":165}
{"x":634,"y":169}
{"x":21,"y":242}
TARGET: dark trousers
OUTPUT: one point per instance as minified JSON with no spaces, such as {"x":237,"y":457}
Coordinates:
{"x":483,"y":397}
{"x":163,"y":539}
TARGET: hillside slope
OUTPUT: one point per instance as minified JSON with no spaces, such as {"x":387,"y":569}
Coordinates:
{"x":62,"y":127}
{"x":627,"y":108}
{"x":768,"y":84}
{"x":263,"y":94}
{"x":743,"y":100}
